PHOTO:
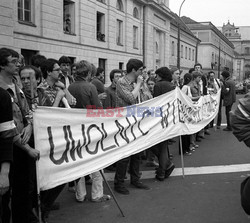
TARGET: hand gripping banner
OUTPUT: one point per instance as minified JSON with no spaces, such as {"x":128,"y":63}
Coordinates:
{"x":77,"y":142}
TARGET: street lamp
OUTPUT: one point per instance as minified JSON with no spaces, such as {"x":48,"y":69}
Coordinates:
{"x":179,"y":38}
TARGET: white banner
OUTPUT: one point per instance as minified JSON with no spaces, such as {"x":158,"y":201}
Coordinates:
{"x":77,"y":142}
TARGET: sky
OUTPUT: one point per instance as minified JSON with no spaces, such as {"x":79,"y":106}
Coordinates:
{"x":215,"y":11}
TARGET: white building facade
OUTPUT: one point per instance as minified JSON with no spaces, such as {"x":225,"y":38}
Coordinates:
{"x":107,"y":33}
{"x":214,"y":49}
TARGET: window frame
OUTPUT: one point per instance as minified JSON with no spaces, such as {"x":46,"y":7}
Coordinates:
{"x":172,"y":48}
{"x":135,"y":37}
{"x":100,"y":32}
{"x":119,"y":32}
{"x":136,"y":13}
{"x":21,"y":16}
{"x":119,"y":5}
{"x":70,"y":16}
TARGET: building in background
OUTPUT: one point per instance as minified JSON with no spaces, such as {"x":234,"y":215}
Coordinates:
{"x":215,"y":51}
{"x":188,"y":45}
{"x":105,"y":32}
{"x":240,"y":37}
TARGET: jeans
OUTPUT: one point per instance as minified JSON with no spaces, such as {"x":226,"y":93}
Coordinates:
{"x":48,"y":197}
{"x":134,"y":169}
{"x":4,"y":208}
{"x":96,"y":188}
{"x":192,"y":140}
{"x":228,"y":109}
{"x":219,"y":113}
{"x":161,"y":152}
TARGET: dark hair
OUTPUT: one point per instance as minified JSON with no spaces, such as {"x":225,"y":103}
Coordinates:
{"x":150,"y":71}
{"x":112,"y":74}
{"x":187,"y":78}
{"x":83,"y":68}
{"x":198,"y":64}
{"x":99,"y":71}
{"x":37,"y":60}
{"x":64,"y":59}
{"x":151,"y":79}
{"x":225,"y":74}
{"x":191,"y":70}
{"x":173,"y":69}
{"x":38,"y":73}
{"x":48,"y":66}
{"x":4,"y":53}
{"x":133,"y":64}
{"x":196,"y":74}
{"x":164,"y":73}
{"x":210,"y":72}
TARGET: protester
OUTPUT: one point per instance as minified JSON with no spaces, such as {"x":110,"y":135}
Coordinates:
{"x":213,"y":86}
{"x":22,"y":152}
{"x":240,"y":124}
{"x":151,"y":84}
{"x":229,"y":96}
{"x":30,"y":76}
{"x":7,"y":133}
{"x":50,"y":93}
{"x":203,"y":89}
{"x":151,"y":162}
{"x":176,"y":76}
{"x":196,"y":93}
{"x":187,"y":147}
{"x":87,"y":97}
{"x":151,"y":73}
{"x":127,"y":94}
{"x":110,"y":101}
{"x":65,"y":76}
{"x":162,"y":86}
{"x":98,"y":80}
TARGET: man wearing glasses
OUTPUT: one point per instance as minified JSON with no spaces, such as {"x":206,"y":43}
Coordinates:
{"x":127,"y":90}
{"x":50,"y":93}
{"x":22,"y":152}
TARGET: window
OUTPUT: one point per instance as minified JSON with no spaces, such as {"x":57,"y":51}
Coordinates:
{"x":119,"y":32}
{"x":186,"y":52}
{"x":192,"y":55}
{"x":172,"y":48}
{"x":68,"y":17}
{"x":119,"y":5}
{"x":212,"y":57}
{"x":121,"y":65}
{"x":102,"y":1}
{"x":27,"y":54}
{"x":135,"y":37}
{"x":136,"y":13}
{"x":181,"y":51}
{"x":102,"y":64}
{"x":100,"y":26}
{"x":189,"y":53}
{"x":156,"y":48}
{"x":25,"y":10}
{"x":247,"y":50}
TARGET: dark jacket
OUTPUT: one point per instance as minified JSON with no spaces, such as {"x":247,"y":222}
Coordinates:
{"x":240,"y":119}
{"x":110,"y":101}
{"x":85,"y":94}
{"x":229,"y":97}
{"x":162,"y":87}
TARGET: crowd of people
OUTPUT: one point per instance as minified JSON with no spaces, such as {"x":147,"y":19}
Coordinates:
{"x":59,"y":83}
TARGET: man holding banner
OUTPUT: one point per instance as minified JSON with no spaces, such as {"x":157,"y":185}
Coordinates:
{"x":127,"y":94}
{"x":51,"y":93}
{"x":86,"y":95}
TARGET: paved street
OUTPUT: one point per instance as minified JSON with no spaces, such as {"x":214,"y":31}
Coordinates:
{"x":209,"y":193}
